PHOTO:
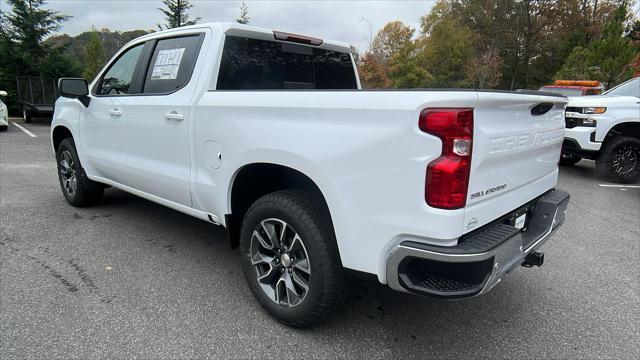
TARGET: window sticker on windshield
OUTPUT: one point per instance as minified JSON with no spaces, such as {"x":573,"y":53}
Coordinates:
{"x":167,"y":64}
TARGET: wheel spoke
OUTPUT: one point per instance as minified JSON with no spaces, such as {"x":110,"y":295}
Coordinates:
{"x":280,"y":290}
{"x":268,"y":276}
{"x":302,"y":265}
{"x":65,"y":167}
{"x":260,"y":258}
{"x":270,"y":231}
{"x":262,"y":241}
{"x":300,"y":281}
{"x":282,"y":238}
{"x":296,"y":244}
{"x":293,"y":297}
{"x":73,"y":183}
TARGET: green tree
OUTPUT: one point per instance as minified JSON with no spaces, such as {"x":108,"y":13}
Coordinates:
{"x":390,"y":40}
{"x":613,"y":53}
{"x":60,"y":64}
{"x":244,"y":14}
{"x":405,"y":69}
{"x":25,"y":28}
{"x":447,"y":50}
{"x":576,"y":66}
{"x":22,"y":49}
{"x":176,"y":14}
{"x":94,"y":56}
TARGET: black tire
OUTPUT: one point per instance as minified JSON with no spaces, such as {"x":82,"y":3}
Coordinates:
{"x":569,"y":160}
{"x":84,"y":192}
{"x":26,"y":115}
{"x":619,"y":160}
{"x":311,"y":222}
{"x":3,"y":127}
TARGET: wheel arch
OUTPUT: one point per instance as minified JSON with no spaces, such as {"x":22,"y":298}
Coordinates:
{"x":254,"y":180}
{"x":629,"y":128}
{"x":59,"y":133}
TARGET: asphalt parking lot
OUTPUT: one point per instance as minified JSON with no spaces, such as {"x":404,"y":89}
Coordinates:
{"x":130,"y":278}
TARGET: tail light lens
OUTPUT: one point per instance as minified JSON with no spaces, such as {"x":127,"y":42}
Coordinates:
{"x":448,"y":176}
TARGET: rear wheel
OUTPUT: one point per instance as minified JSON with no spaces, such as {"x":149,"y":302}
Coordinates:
{"x":619,"y":160}
{"x":290,"y":258}
{"x":569,"y":160}
{"x":76,"y":187}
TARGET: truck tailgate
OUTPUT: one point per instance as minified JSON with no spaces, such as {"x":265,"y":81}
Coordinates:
{"x":516,"y":148}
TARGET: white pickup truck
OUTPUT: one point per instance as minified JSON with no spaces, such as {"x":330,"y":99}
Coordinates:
{"x":439,"y":193}
{"x":606,"y":128}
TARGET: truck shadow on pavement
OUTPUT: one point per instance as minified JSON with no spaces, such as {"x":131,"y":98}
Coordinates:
{"x":366,"y":301}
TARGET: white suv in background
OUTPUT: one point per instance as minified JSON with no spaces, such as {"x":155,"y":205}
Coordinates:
{"x":606,"y":128}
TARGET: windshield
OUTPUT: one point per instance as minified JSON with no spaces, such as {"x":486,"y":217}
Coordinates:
{"x":629,"y":88}
{"x":563,"y":91}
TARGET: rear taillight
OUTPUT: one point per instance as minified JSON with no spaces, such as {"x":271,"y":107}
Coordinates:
{"x":448,"y":176}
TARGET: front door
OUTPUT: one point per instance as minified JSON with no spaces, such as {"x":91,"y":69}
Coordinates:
{"x":102,"y":127}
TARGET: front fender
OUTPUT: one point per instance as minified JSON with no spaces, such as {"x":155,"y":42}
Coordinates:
{"x":67,"y":114}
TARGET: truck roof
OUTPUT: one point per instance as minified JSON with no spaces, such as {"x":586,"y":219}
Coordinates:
{"x":253,"y":32}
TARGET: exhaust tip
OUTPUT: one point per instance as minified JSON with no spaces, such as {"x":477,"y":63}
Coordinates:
{"x":534,"y":259}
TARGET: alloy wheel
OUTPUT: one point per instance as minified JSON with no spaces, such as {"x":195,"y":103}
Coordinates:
{"x":281,"y":262}
{"x":68,"y":173}
{"x":626,"y":160}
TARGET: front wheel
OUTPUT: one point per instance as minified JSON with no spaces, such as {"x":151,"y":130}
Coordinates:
{"x":290,"y":258}
{"x":76,"y":187}
{"x":619,"y":160}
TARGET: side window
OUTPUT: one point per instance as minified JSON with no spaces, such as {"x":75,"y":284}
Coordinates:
{"x":630,"y":88}
{"x":252,"y":64}
{"x":171,"y":65}
{"x":117,"y":80}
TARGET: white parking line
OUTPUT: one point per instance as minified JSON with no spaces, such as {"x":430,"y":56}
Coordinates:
{"x":620,"y":186}
{"x":24,"y":130}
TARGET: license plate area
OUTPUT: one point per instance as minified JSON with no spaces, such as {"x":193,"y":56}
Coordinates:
{"x":520,"y":218}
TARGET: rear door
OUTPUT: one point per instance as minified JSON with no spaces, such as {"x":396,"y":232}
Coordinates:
{"x":516,"y":148}
{"x":157,"y":122}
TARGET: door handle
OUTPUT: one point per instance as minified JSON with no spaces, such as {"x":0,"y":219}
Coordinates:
{"x":174,"y":115}
{"x":115,"y":112}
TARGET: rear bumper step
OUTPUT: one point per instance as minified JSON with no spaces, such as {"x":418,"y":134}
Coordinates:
{"x":480,"y":260}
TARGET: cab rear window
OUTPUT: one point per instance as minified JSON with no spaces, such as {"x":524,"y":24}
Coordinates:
{"x":251,"y":64}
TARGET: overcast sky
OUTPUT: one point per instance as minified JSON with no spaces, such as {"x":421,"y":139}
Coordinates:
{"x":344,"y":20}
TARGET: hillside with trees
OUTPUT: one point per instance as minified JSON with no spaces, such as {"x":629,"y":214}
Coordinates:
{"x":506,"y":44}
{"x":92,"y":48}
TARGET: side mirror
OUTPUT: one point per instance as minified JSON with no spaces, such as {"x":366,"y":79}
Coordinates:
{"x":3,"y":93}
{"x":74,"y":88}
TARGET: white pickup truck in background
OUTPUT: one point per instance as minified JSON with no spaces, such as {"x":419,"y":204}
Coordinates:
{"x":439,"y":193}
{"x":606,"y":128}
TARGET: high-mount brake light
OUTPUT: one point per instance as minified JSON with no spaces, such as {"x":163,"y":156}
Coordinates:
{"x":447,"y":180}
{"x":300,"y":39}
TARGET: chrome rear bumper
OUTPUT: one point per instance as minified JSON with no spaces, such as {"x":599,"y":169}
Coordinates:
{"x":481,"y":259}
